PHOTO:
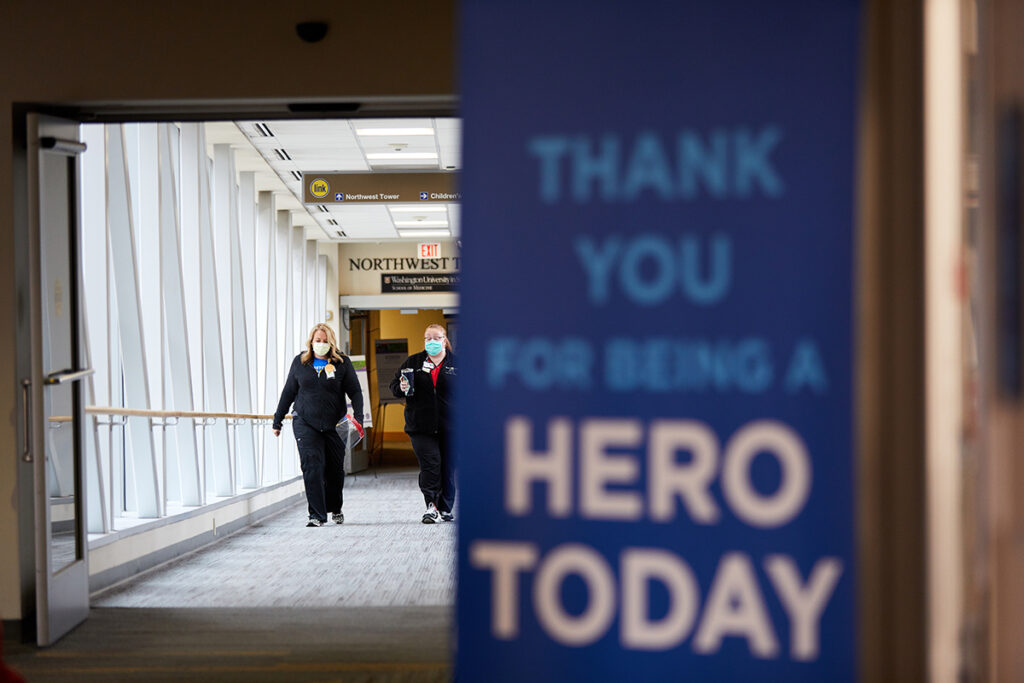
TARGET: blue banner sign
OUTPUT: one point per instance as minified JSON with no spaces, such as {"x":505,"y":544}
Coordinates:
{"x":655,"y":409}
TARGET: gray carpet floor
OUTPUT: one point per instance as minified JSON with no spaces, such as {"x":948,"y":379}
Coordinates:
{"x":383,"y":555}
{"x":368,"y":600}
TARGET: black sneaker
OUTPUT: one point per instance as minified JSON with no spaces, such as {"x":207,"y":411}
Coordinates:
{"x":338,"y":517}
{"x":313,"y":521}
{"x":431,"y":515}
{"x":446,"y":516}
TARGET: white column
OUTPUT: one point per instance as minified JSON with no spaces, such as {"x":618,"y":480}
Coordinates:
{"x":300,"y":319}
{"x":320,"y":287}
{"x":311,"y":296}
{"x":185,"y":459}
{"x":329,"y":252}
{"x":247,"y":209}
{"x":142,"y":169}
{"x":94,"y":313}
{"x":218,"y":454}
{"x":287,"y":315}
{"x":269,"y":363}
{"x":245,"y":445}
{"x":122,"y":245}
{"x":189,"y":217}
{"x":224,"y":201}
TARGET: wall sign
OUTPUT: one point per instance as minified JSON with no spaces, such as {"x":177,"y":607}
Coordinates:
{"x":418,"y":282}
{"x":376,"y":188}
{"x":361,"y":265}
{"x":429,"y":250}
{"x":655,"y":422}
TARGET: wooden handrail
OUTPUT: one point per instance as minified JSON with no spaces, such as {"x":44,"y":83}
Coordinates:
{"x":136,"y":412}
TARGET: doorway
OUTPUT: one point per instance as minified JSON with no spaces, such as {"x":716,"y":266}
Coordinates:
{"x":181,"y":480}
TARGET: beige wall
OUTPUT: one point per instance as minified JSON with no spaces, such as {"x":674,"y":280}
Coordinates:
{"x":356,"y":279}
{"x":231,"y":52}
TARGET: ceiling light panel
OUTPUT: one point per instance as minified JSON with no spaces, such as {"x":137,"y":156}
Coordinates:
{"x":394,"y":132}
{"x":423,"y":233}
{"x":396,"y":150}
{"x":392,"y":124}
{"x":426,"y":223}
{"x":401,"y":154}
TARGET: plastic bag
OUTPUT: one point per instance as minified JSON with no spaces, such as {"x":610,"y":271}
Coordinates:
{"x":351,"y":433}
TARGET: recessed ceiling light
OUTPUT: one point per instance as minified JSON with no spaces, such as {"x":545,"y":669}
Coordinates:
{"x":395,"y":131}
{"x":415,"y":208}
{"x":422,"y":224}
{"x":423,"y":233}
{"x":391,"y":156}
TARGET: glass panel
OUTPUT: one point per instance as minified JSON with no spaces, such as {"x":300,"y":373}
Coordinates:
{"x":58,"y":346}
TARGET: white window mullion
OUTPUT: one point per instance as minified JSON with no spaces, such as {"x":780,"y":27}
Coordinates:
{"x":130,"y":327}
{"x":94,"y":313}
{"x":218,"y":447}
{"x":245,"y":446}
{"x":185,"y":459}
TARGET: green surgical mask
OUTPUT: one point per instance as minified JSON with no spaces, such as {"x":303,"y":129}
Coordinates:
{"x":321,"y":348}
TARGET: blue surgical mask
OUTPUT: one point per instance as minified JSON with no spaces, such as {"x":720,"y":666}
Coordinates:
{"x":433,"y":346}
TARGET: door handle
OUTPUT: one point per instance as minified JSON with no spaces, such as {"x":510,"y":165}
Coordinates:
{"x":68,"y":147}
{"x":26,"y":455}
{"x":62,"y":376}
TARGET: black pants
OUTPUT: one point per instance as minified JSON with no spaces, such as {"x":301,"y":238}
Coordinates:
{"x":437,"y":468}
{"x":322,"y":456}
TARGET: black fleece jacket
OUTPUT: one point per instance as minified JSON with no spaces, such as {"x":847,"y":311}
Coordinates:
{"x":320,"y":400}
{"x":429,"y":409}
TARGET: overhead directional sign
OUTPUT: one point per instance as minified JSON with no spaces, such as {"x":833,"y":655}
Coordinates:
{"x":370,"y":188}
{"x":655,"y":408}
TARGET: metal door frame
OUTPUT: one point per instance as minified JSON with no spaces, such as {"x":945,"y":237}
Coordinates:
{"x":61,"y":599}
{"x":27,"y":244}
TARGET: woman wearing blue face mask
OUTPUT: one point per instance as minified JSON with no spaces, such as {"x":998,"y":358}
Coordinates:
{"x":318,"y":381}
{"x":425,"y":382}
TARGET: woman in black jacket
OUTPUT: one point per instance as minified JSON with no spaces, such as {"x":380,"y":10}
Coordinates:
{"x":425,"y":381}
{"x":317,"y":382}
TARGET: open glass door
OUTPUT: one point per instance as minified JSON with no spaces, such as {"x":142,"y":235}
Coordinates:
{"x":54,"y":417}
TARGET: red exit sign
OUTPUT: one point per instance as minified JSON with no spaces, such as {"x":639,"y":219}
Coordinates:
{"x":430,"y":250}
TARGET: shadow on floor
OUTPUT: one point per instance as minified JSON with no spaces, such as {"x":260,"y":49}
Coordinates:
{"x":386,"y":644}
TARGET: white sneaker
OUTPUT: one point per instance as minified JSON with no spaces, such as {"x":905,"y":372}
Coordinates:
{"x":446,"y":516}
{"x":313,"y":521}
{"x":338,"y":517}
{"x":431,"y":515}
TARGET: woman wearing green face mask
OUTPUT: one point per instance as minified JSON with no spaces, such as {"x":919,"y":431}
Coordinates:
{"x":425,"y":382}
{"x":318,"y":381}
